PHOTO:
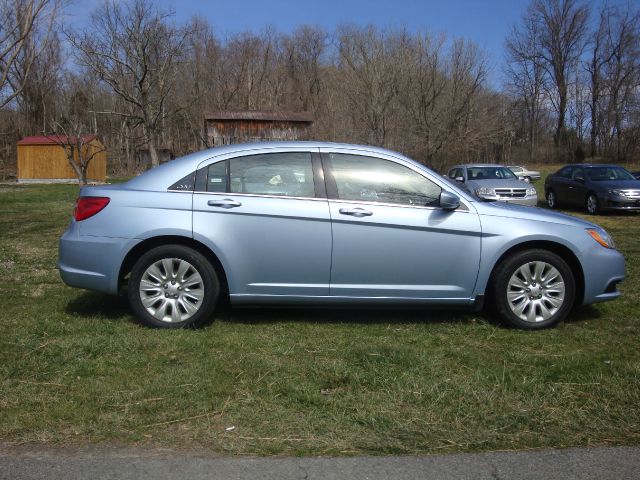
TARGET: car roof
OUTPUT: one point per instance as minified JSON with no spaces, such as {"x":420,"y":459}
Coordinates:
{"x":471,"y":165}
{"x":178,"y":168}
{"x":590,"y":165}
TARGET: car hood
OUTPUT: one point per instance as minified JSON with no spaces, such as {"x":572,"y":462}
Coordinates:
{"x":493,"y":183}
{"x":509,"y":210}
{"x":618,"y":184}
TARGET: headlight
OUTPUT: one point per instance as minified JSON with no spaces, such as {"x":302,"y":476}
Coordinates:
{"x":602,"y":237}
{"x":531,"y":191}
{"x":619,"y":193}
{"x":486,"y":192}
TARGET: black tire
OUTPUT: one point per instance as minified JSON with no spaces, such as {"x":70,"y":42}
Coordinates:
{"x":209,"y":288}
{"x":501,"y":288}
{"x":552,"y":199}
{"x":592,"y":204}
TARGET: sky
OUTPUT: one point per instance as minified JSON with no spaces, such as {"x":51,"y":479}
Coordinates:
{"x":485,"y":22}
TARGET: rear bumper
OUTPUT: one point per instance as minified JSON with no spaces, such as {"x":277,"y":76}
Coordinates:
{"x":92,"y":263}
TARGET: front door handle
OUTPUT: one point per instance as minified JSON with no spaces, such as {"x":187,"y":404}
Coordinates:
{"x":355,"y":212}
{"x":224,"y":203}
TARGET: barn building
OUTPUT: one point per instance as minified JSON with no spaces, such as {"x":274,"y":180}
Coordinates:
{"x":225,"y":127}
{"x":43,"y":159}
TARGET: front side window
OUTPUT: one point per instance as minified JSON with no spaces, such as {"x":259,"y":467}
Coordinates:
{"x":376,"y":180}
{"x":566,"y":172}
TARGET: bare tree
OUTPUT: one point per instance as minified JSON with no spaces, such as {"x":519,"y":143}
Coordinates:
{"x":19,"y":21}
{"x":525,"y":74}
{"x":134,"y":50}
{"x":72,"y":129}
{"x":562,"y":25}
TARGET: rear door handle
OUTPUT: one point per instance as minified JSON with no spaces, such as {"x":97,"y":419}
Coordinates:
{"x":224,"y":203}
{"x":355,"y":212}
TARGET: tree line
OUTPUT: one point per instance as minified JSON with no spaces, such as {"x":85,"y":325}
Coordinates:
{"x":141,"y":80}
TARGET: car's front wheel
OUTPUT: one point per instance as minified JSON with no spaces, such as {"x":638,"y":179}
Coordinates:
{"x":533,"y":289}
{"x":593,"y":206}
{"x":173,"y":286}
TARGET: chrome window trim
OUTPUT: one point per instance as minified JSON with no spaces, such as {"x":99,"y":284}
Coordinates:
{"x":462,"y":208}
{"x":229,"y":194}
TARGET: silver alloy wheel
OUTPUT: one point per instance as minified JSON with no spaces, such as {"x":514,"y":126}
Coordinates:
{"x":536,"y":291}
{"x":592,"y":204}
{"x":551,"y":199}
{"x":171,"y":290}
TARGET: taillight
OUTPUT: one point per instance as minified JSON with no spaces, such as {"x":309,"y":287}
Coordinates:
{"x":88,"y":206}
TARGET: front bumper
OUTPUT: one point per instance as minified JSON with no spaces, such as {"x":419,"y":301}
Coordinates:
{"x":621,"y":204}
{"x":529,"y":200}
{"x":603,"y":271}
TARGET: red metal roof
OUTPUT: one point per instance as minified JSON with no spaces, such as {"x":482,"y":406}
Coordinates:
{"x":260,"y":115}
{"x":54,"y":139}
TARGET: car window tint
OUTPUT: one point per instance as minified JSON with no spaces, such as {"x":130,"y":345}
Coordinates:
{"x":288,"y":174}
{"x":577,"y":172}
{"x":376,"y":180}
{"x":217,"y":177}
{"x":566,"y":172}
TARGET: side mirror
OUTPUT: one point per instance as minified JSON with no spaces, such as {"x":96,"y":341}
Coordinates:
{"x":459,"y":179}
{"x":448,"y":200}
{"x":579,"y":178}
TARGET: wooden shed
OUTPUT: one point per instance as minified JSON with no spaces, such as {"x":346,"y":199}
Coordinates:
{"x":226,"y":127}
{"x":43,"y":159}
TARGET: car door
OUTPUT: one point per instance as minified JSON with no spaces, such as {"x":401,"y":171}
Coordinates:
{"x":577,"y":188}
{"x":266,"y":216}
{"x":561,"y":183}
{"x":390,"y":238}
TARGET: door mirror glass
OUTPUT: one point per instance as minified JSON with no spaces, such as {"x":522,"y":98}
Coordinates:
{"x":449,"y":201}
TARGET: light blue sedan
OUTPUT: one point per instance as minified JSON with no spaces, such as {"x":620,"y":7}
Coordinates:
{"x":309,"y":223}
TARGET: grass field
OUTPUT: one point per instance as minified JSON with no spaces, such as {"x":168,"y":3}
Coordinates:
{"x":75,"y":368}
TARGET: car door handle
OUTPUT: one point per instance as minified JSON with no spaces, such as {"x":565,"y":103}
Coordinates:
{"x":355,"y":212}
{"x":224,"y":203}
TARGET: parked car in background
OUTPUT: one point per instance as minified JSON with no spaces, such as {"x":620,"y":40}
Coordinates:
{"x":524,"y":173}
{"x":309,"y":223}
{"x":595,"y":187}
{"x":494,"y":182}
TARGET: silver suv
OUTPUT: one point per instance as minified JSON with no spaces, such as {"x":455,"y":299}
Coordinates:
{"x":494,"y":182}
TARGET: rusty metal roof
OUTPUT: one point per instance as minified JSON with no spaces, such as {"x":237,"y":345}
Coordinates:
{"x":260,"y":115}
{"x":54,"y":139}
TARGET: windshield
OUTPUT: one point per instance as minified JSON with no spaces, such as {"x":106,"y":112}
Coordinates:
{"x":490,"y":173}
{"x":608,"y":173}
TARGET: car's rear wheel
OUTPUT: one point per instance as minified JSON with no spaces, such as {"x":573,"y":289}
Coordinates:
{"x":533,"y":289}
{"x":173,"y":286}
{"x":552,"y":199}
{"x":592,"y":204}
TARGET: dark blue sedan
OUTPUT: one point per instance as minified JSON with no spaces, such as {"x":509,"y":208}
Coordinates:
{"x":595,"y":187}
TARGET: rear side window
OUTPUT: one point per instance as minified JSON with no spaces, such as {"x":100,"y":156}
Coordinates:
{"x":217,"y":177}
{"x":288,"y":174}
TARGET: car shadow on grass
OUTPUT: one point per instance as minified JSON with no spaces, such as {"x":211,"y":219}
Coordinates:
{"x":96,"y":305}
{"x":92,"y":304}
{"x":347,"y":315}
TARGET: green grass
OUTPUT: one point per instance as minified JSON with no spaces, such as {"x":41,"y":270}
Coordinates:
{"x":75,"y":367}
